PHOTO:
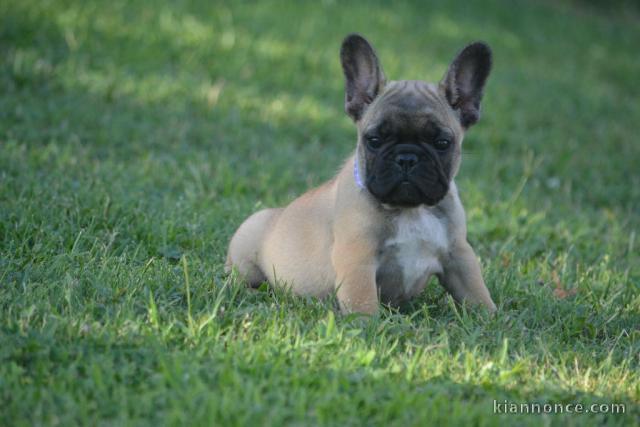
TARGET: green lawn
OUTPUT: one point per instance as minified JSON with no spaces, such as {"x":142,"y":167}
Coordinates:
{"x":136,"y":136}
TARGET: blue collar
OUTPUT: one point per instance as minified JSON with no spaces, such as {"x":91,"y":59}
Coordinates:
{"x":356,"y":172}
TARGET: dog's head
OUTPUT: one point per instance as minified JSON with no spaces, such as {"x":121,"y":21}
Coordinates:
{"x":409,"y":131}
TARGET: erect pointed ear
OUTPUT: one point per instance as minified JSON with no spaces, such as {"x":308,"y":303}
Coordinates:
{"x":363,"y":75}
{"x":465,"y":79}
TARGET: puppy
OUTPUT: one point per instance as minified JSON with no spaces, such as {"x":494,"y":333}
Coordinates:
{"x":391,"y":218}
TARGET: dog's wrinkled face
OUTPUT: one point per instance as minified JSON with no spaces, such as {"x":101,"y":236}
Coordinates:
{"x":409,"y":145}
{"x":410,"y":131}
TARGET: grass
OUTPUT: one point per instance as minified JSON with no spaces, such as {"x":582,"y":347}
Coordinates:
{"x":135,"y":137}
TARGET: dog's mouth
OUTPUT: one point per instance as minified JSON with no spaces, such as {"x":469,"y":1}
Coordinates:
{"x":408,"y":194}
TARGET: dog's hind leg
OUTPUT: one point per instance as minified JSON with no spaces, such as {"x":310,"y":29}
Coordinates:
{"x":245,"y":246}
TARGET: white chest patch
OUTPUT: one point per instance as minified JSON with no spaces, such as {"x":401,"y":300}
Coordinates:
{"x":420,"y":240}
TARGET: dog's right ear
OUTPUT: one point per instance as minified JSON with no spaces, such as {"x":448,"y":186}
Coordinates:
{"x":465,"y":80}
{"x":363,"y":74}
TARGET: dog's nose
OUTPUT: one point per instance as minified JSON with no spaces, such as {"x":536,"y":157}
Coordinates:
{"x":406,"y":161}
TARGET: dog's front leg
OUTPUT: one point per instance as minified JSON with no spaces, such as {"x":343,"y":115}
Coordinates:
{"x":462,"y":277}
{"x":355,"y":278}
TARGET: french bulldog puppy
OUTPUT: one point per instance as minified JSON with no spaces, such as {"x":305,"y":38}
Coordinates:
{"x":391,"y":218}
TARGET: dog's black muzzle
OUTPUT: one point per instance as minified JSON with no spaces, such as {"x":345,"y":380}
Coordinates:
{"x":407,"y":175}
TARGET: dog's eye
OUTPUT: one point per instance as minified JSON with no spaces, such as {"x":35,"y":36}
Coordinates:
{"x":441,"y":144}
{"x":374,"y":141}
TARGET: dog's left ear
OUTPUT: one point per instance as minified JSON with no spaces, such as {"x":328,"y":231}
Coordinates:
{"x":465,"y":79}
{"x":364,"y":78}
